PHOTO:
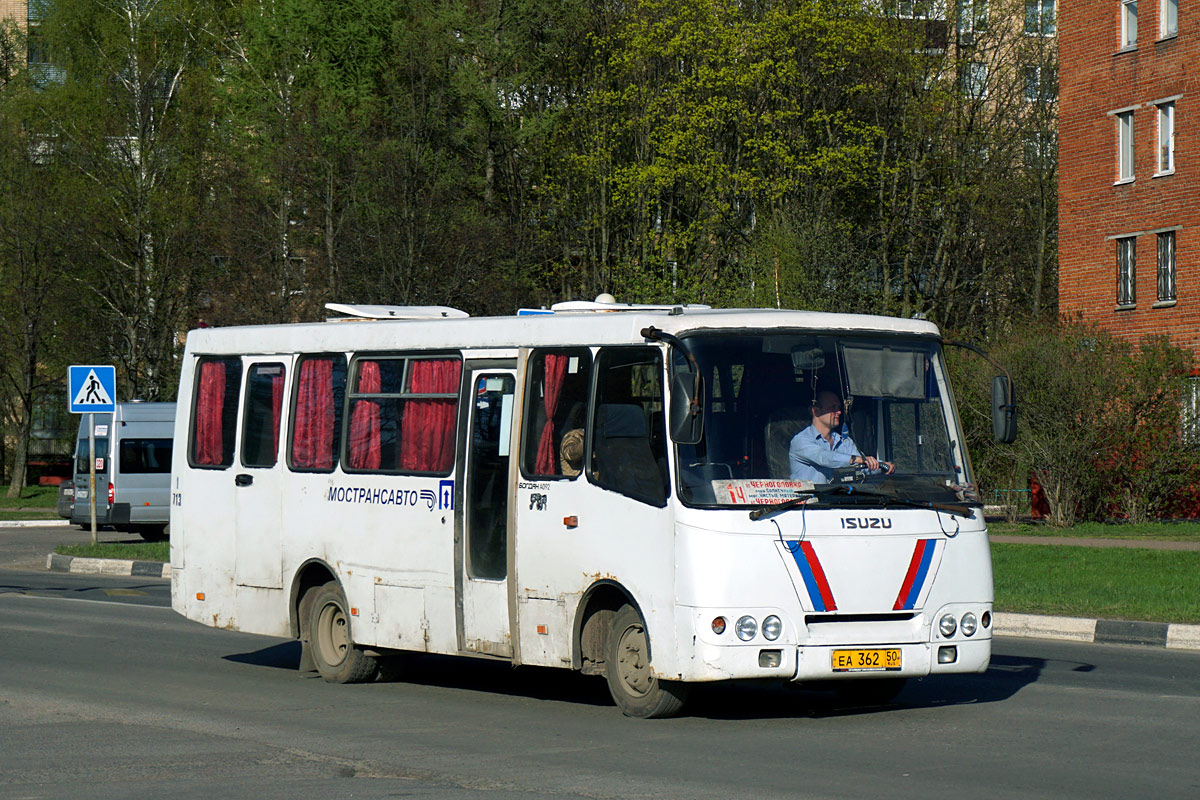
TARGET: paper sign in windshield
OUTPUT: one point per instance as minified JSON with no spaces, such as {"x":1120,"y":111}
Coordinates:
{"x":759,"y":491}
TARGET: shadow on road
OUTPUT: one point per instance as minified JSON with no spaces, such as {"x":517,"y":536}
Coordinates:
{"x":1006,"y":676}
{"x":280,"y":656}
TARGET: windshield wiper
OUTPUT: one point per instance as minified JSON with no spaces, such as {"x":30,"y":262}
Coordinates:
{"x":848,"y":490}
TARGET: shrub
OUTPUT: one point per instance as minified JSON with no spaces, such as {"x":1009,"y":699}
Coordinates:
{"x":1099,"y":421}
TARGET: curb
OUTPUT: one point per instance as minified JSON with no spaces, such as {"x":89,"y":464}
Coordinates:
{"x":34,"y":523}
{"x":1101,"y":631}
{"x":107,"y":566}
{"x":1172,"y":635}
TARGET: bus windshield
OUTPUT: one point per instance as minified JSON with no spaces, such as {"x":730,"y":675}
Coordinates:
{"x":761,"y":444}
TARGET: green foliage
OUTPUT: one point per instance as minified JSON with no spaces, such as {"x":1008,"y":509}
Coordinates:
{"x":249,"y":160}
{"x":1099,"y":421}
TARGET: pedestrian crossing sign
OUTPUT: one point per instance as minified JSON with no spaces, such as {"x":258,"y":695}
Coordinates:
{"x":92,"y":388}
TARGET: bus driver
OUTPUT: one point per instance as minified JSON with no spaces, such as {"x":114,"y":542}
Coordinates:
{"x":825,"y":445}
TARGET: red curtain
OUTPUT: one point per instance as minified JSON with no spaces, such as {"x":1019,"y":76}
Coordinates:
{"x":312,"y":430}
{"x":365,"y":446}
{"x":427,"y":430}
{"x":556,"y":373}
{"x":276,"y":408}
{"x":210,"y":406}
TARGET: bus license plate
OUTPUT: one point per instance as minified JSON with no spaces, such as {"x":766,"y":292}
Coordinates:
{"x":886,"y":660}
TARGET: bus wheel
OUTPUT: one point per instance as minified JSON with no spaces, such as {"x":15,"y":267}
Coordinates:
{"x":635,"y":688}
{"x":334,"y":654}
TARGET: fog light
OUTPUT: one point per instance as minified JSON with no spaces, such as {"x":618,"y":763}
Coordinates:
{"x":947,"y":625}
{"x":718,"y":625}
{"x":770,"y":659}
{"x":746,"y":628}
{"x":987,"y":619}
{"x":969,"y":624}
{"x":772,"y":627}
{"x":947,"y":654}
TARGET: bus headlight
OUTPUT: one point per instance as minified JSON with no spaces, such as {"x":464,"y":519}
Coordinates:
{"x":746,"y":628}
{"x":772,"y":627}
{"x":969,"y":624}
{"x":947,"y":625}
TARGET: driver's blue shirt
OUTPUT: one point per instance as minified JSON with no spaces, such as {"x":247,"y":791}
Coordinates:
{"x":814,"y":459}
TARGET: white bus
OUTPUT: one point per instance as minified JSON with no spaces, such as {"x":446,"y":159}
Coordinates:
{"x":599,"y":487}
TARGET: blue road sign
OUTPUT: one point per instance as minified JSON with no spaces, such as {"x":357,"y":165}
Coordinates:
{"x":92,"y":388}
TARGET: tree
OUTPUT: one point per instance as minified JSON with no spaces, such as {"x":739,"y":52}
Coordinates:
{"x":35,"y":294}
{"x":132,"y":119}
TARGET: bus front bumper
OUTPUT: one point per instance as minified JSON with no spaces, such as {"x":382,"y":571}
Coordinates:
{"x":837,"y":662}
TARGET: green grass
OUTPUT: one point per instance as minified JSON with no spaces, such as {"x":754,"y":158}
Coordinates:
{"x":12,"y":515}
{"x":127,"y":551}
{"x":31,"y":497}
{"x":1166,"y":531}
{"x":1104,"y":583}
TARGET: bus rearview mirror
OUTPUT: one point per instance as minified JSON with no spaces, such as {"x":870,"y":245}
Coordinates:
{"x":687,"y":419}
{"x":1004,"y":410}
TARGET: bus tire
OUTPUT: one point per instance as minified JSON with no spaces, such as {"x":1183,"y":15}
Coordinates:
{"x":635,"y":688}
{"x":334,"y":653}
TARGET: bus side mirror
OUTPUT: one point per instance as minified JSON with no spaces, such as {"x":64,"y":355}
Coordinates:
{"x":687,"y":418}
{"x":1004,"y":410}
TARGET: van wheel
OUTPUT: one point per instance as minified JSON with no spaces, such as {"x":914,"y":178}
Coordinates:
{"x":334,"y":653}
{"x":635,"y":688}
{"x":153,"y":533}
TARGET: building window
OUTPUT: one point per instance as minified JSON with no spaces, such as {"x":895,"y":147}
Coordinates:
{"x":1041,"y":83}
{"x":1168,"y":18}
{"x":1166,"y":137}
{"x":971,"y":19}
{"x":974,"y":79}
{"x":1190,"y":412}
{"x":920,"y":9}
{"x":1126,"y":271}
{"x":1039,"y":150}
{"x":1125,"y":146}
{"x":1039,"y":18}
{"x":1166,"y":266}
{"x":1128,"y":23}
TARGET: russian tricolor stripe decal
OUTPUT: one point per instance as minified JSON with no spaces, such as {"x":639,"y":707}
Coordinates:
{"x":918,"y":573}
{"x":814,"y":577}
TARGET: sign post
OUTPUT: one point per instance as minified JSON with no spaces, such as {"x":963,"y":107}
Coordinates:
{"x":92,"y":389}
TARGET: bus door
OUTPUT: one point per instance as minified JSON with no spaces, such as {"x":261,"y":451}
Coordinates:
{"x":258,"y":473}
{"x":482,"y":505}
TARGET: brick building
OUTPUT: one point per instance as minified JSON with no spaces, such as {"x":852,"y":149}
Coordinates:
{"x":1129,"y":167}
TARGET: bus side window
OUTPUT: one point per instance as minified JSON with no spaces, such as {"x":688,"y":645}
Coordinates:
{"x":555,"y":413}
{"x":260,"y":421}
{"x":317,"y":413}
{"x":628,"y":437}
{"x":403,"y":413}
{"x":214,"y":412}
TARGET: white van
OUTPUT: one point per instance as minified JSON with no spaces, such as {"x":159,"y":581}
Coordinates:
{"x":133,"y":469}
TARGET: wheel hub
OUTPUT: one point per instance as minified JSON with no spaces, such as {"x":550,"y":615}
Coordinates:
{"x":332,"y":634}
{"x":632,"y":664}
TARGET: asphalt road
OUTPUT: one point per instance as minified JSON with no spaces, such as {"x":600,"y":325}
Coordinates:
{"x":106,"y":693}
